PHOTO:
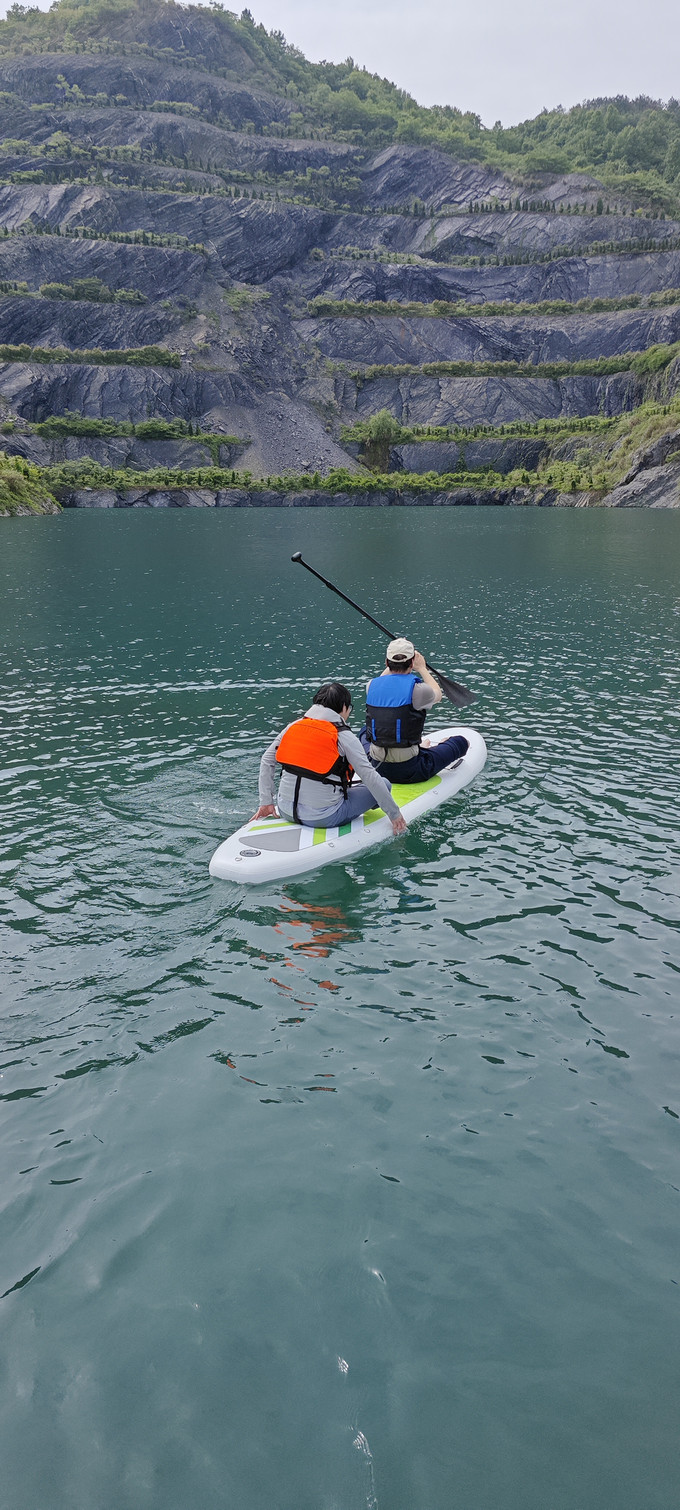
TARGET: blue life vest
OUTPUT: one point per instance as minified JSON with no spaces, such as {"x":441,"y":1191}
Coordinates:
{"x":391,"y":719}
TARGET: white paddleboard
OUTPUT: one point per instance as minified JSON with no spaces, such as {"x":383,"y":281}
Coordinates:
{"x":269,"y":849}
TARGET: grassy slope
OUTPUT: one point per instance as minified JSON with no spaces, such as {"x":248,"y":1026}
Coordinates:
{"x":23,"y":489}
{"x":633,"y":146}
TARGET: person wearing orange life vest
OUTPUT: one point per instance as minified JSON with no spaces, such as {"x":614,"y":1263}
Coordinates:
{"x":315,"y":757}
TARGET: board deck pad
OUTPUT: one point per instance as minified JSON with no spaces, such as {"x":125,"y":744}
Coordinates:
{"x":267,"y":849}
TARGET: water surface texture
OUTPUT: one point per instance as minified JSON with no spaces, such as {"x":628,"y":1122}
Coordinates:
{"x":380,"y":1182}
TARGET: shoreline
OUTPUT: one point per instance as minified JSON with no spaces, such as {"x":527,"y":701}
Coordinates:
{"x":243,"y":498}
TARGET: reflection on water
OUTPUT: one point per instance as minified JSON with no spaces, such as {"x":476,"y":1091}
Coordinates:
{"x":321,"y":928}
{"x":218,"y":1286}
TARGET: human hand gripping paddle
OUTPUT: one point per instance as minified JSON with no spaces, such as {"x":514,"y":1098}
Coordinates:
{"x":460,"y":696}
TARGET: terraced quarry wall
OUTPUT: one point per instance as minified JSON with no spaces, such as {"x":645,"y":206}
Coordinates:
{"x":210,"y":226}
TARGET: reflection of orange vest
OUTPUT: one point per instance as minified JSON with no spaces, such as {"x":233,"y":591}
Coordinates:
{"x":310,"y":748}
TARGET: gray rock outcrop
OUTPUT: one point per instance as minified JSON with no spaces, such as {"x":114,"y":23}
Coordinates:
{"x":170,"y":168}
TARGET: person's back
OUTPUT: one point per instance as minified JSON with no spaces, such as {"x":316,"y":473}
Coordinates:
{"x":397,"y":702}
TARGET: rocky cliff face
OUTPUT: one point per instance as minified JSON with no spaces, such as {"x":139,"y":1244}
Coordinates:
{"x":210,"y":226}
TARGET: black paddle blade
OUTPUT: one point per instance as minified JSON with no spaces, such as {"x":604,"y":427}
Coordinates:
{"x":460,"y":696}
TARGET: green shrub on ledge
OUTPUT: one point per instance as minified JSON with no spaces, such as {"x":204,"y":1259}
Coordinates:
{"x":550,"y":429}
{"x":89,"y":474}
{"x":61,"y":426}
{"x":177,"y":107}
{"x":92,"y":290}
{"x":444,"y":309}
{"x":133,"y":356}
{"x":589,"y":424}
{"x":654,"y":359}
{"x":87,"y":233}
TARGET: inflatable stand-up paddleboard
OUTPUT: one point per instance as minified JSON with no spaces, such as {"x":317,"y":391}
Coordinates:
{"x":269,"y":849}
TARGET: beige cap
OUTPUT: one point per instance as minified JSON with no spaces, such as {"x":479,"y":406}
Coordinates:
{"x":400,"y":650}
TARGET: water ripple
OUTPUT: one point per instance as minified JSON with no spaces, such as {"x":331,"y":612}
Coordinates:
{"x":385,"y":1155}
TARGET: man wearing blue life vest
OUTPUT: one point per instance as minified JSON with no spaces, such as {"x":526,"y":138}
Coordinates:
{"x":396,"y":707}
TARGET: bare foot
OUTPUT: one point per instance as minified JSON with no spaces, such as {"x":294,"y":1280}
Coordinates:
{"x":425,"y":744}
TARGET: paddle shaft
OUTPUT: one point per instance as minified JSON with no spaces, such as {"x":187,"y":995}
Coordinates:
{"x":298,"y":558}
{"x":455,"y":692}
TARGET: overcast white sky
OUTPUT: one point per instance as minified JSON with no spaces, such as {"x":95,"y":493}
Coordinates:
{"x":505,"y":61}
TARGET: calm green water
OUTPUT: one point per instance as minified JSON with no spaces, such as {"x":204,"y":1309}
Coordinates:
{"x":380,"y":1182}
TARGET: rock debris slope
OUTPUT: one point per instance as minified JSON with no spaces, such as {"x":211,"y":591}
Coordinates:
{"x":175,"y":245}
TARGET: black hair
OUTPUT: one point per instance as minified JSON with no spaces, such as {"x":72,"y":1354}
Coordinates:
{"x":334,"y":696}
{"x":400,"y":665}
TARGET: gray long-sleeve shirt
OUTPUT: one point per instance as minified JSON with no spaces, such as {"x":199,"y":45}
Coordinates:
{"x":317,"y":801}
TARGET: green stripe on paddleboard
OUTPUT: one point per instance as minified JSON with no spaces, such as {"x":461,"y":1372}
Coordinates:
{"x":403,"y":794}
{"x":319,"y":836}
{"x":345,"y":828}
{"x":261,"y":828}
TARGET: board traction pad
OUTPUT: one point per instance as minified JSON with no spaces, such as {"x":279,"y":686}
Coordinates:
{"x":279,"y":829}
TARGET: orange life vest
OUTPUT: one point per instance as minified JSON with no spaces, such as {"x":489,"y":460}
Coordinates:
{"x":310,"y":748}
